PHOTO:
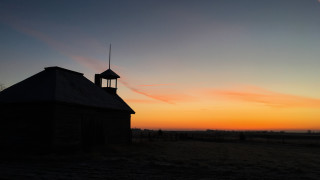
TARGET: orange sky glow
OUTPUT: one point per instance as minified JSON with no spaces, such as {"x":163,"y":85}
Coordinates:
{"x":250,"y":108}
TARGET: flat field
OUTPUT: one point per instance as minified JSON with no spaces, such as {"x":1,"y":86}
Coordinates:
{"x":187,"y":159}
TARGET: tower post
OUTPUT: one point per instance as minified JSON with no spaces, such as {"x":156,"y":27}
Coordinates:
{"x":108,"y":75}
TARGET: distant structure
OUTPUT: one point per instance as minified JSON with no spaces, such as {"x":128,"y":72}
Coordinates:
{"x":61,"y":109}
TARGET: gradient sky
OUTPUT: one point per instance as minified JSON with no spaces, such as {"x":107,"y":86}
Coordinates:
{"x":207,"y":64}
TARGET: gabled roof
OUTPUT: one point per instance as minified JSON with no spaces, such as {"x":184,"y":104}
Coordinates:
{"x":109,"y":74}
{"x":56,"y":84}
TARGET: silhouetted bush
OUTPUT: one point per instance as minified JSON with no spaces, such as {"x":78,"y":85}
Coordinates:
{"x":242,"y":136}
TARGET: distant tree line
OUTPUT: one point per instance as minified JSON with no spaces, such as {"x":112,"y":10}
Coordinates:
{"x":306,"y":138}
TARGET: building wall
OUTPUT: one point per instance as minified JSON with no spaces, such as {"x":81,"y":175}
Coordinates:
{"x":87,"y":127}
{"x":117,"y":128}
{"x":61,"y":126}
{"x":26,"y":126}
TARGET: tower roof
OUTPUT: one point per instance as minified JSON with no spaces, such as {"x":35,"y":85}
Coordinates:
{"x":56,"y":84}
{"x":109,"y":74}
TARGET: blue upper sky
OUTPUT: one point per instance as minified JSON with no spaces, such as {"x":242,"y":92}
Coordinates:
{"x":268,"y":43}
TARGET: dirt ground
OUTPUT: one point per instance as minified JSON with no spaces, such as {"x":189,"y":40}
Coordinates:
{"x":171,"y":160}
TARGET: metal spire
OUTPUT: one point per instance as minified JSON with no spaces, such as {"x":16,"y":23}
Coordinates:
{"x":109,"y":55}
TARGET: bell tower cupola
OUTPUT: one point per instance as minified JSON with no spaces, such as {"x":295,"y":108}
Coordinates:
{"x":110,"y":76}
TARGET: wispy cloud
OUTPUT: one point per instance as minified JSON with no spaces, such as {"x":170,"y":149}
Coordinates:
{"x":147,"y":101}
{"x":266,"y":97}
{"x":89,"y":62}
{"x":146,"y":85}
{"x":165,"y":99}
{"x":23,"y":27}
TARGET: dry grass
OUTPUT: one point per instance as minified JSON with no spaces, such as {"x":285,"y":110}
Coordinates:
{"x":231,"y":160}
{"x":174,"y":160}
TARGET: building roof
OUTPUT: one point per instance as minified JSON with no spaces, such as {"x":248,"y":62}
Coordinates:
{"x":109,"y":74}
{"x":56,"y":84}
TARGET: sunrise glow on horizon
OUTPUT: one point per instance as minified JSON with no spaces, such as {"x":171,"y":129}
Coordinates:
{"x":184,"y":65}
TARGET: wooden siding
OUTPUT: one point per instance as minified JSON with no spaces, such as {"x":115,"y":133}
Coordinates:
{"x":62,"y":126}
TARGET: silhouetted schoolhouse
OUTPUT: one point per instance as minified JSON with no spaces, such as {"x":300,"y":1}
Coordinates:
{"x":58,"y":108}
